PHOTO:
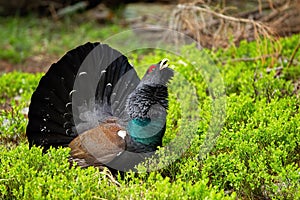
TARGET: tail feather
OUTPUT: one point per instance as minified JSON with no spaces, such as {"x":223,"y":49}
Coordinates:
{"x":46,"y":99}
{"x":60,"y":88}
{"x":51,"y":112}
{"x":95,"y":107}
{"x":112,"y":76}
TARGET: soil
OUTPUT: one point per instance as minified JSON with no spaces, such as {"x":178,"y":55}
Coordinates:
{"x":33,"y":64}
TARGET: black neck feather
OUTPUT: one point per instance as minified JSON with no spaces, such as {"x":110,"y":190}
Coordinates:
{"x":143,"y":98}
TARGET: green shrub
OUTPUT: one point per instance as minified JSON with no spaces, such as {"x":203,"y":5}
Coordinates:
{"x":256,"y":148}
{"x":19,"y":86}
{"x":255,"y":110}
{"x":15,"y":91}
{"x":28,"y":174}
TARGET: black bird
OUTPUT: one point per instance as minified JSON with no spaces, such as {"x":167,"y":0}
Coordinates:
{"x":93,"y":101}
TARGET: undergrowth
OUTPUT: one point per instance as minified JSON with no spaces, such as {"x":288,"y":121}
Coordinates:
{"x":256,"y":155}
{"x":22,"y":37}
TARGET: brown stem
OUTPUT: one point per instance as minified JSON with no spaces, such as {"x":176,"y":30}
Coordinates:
{"x":293,"y":55}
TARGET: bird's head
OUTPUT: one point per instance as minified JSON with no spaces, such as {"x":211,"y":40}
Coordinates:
{"x":158,"y":74}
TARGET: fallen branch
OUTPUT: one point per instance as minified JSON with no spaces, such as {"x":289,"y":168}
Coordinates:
{"x":71,"y":9}
{"x":222,"y":16}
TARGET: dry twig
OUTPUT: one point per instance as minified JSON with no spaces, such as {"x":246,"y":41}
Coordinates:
{"x":294,"y":54}
{"x":214,"y":29}
{"x":109,"y":175}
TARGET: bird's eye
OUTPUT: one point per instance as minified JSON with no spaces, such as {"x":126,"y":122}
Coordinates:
{"x":151,"y":68}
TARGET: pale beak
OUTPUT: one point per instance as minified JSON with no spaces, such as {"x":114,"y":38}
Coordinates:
{"x":163,"y":64}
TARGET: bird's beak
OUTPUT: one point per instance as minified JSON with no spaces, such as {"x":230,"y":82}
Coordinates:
{"x":163,"y":64}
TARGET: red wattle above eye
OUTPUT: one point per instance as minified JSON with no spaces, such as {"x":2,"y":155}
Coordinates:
{"x":151,"y":68}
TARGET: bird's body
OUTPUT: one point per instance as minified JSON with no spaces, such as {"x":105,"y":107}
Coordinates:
{"x":85,"y":147}
{"x":93,"y":101}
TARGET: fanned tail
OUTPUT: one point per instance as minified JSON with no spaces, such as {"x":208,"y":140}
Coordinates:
{"x":87,"y":73}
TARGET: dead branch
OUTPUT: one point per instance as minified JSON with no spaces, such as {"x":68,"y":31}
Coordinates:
{"x":293,"y":55}
{"x":214,"y":29}
{"x":226,"y":17}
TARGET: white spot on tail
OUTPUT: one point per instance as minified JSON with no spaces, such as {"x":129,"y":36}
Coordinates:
{"x":82,"y":73}
{"x":72,"y":92}
{"x":70,"y":103}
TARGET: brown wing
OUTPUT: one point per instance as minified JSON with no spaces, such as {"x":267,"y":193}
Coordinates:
{"x":97,"y":146}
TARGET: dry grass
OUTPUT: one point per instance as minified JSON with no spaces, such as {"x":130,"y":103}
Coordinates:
{"x":213,"y":28}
